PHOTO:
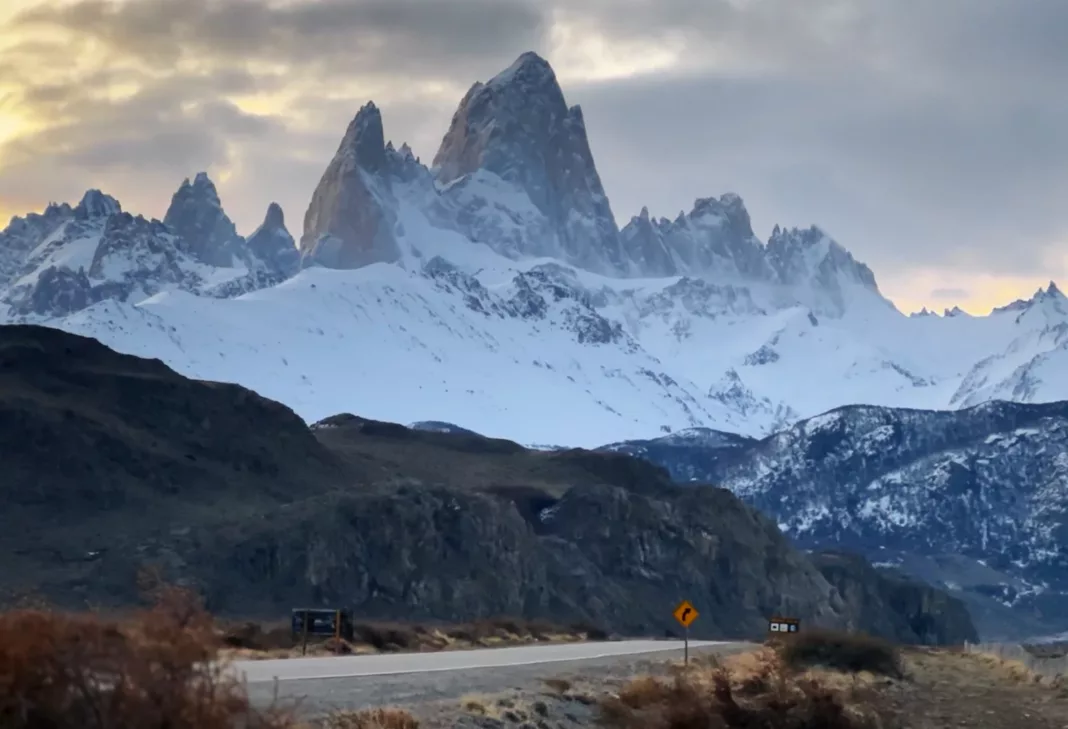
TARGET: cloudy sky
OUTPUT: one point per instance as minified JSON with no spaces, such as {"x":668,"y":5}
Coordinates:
{"x":930,"y":137}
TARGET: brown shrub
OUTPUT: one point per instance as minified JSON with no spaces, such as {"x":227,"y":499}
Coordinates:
{"x":710,"y":700}
{"x":156,"y":670}
{"x":852,"y":652}
{"x":388,"y":636}
{"x":372,"y":719}
{"x":257,"y":637}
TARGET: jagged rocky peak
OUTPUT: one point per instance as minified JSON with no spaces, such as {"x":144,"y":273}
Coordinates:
{"x":272,"y":243}
{"x":729,"y":211}
{"x":365,"y":139}
{"x":518,"y":127}
{"x":349,"y":222}
{"x":801,"y":255}
{"x":197,"y":216}
{"x":275,"y":218}
{"x":95,"y":203}
{"x":1050,"y":293}
{"x":954,"y":312}
{"x":714,"y":238}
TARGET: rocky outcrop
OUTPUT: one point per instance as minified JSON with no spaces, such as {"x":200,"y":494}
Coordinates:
{"x":23,"y":234}
{"x":58,"y":291}
{"x":810,"y":256}
{"x":715,"y":237}
{"x":272,"y":244}
{"x":888,"y":603}
{"x":518,"y":129}
{"x":350,"y":220}
{"x":981,"y":491}
{"x":392,"y":522}
{"x":197,"y":216}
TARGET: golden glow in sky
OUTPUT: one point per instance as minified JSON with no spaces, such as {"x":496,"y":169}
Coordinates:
{"x":581,"y":53}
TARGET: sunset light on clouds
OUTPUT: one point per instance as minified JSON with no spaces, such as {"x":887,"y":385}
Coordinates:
{"x":928,"y":138}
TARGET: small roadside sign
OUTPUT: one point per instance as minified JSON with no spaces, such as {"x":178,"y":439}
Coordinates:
{"x":320,"y":622}
{"x":784,"y":625}
{"x":686,"y":613}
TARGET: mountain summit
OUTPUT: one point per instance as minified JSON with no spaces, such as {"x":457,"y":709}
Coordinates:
{"x":272,"y":243}
{"x":517,"y":128}
{"x":197,"y":216}
{"x":349,"y":222}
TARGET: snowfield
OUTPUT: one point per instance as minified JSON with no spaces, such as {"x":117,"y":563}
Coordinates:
{"x":496,"y":291}
{"x":396,"y":344}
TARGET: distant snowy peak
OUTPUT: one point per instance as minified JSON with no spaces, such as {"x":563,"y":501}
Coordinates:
{"x":518,"y":128}
{"x":807,"y":255}
{"x":272,"y":243}
{"x":95,"y":203}
{"x":1051,"y":296}
{"x":715,"y":239}
{"x":197,"y":216}
{"x":68,"y":258}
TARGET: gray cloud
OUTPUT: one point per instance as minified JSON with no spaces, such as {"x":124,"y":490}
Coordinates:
{"x":425,"y":37}
{"x":920,"y":134}
{"x":950,"y":294}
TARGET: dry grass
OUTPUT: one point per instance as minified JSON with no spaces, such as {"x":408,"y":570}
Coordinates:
{"x":759,"y":692}
{"x":384,"y":718}
{"x":557,"y":685}
{"x":155,"y":669}
{"x":846,"y":652}
{"x":252,"y":641}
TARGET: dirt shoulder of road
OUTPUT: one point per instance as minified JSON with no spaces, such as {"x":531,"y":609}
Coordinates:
{"x":939,"y":689}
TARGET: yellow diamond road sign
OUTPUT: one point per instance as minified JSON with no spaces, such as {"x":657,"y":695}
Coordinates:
{"x":686,"y":613}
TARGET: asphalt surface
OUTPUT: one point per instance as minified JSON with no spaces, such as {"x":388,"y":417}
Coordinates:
{"x":320,"y":685}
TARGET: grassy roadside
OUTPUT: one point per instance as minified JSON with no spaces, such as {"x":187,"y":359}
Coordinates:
{"x":258,"y":641}
{"x":157,"y":669}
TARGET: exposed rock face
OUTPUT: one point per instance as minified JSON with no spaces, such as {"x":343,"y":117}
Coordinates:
{"x":518,"y":128}
{"x":232,"y":493}
{"x":197,"y":216}
{"x":350,"y":220}
{"x":57,"y":292}
{"x":919,"y":614}
{"x":23,"y":234}
{"x":716,"y":237}
{"x":985,"y":486}
{"x":272,"y":244}
{"x":95,"y":203}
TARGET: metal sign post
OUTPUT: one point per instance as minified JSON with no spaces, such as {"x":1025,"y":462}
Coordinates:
{"x":304,"y":642}
{"x":686,"y":613}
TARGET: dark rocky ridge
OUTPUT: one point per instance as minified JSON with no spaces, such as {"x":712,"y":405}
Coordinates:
{"x":113,"y":462}
{"x":197,"y":216}
{"x":973,"y":498}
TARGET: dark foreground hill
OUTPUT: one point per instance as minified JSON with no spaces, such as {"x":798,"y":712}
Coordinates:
{"x":113,"y":463}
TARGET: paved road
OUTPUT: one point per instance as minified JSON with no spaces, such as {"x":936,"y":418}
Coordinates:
{"x":331,"y":667}
{"x":323,"y":684}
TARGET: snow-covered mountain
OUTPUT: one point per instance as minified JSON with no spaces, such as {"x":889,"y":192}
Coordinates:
{"x":70,"y":258}
{"x":493,"y":289}
{"x":974,"y":498}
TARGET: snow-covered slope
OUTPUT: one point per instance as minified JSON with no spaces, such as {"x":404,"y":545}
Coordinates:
{"x":494,"y":290}
{"x":389,"y":343}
